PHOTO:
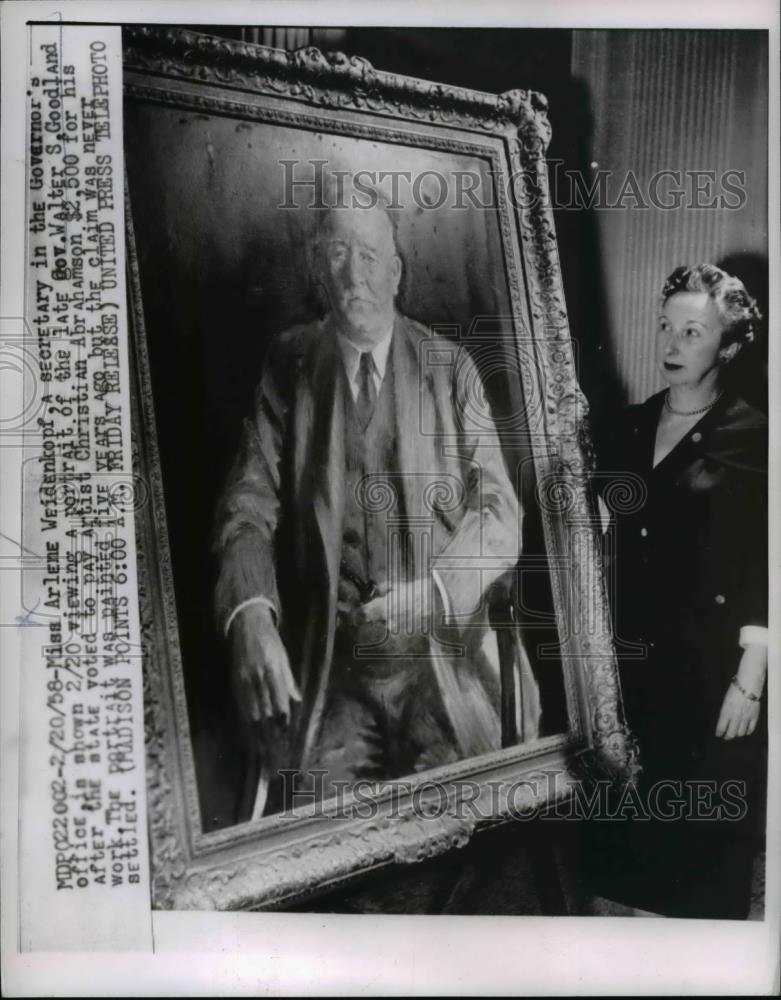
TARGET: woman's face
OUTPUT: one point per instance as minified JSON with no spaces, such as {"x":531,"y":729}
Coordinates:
{"x":688,"y":340}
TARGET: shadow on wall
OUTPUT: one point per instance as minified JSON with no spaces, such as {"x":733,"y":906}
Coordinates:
{"x":582,"y":259}
{"x":749,"y":371}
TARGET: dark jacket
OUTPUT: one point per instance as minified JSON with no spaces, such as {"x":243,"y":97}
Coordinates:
{"x":688,"y":558}
{"x":687,"y":568}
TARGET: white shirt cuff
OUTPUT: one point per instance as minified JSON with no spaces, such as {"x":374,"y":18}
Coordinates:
{"x":442,"y":593}
{"x":246,"y":604}
{"x":604,"y":514}
{"x":753,"y":635}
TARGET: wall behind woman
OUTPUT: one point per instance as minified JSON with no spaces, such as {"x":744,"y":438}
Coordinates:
{"x":681,"y":101}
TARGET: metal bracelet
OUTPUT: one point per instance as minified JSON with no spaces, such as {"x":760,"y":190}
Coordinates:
{"x":743,"y":691}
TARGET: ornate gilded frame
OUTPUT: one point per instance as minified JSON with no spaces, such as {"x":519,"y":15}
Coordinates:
{"x":286,"y":857}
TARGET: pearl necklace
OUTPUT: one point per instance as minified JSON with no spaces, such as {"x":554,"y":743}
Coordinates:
{"x":689,"y":413}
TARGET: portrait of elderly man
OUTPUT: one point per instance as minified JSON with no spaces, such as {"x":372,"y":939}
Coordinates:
{"x":367,"y":514}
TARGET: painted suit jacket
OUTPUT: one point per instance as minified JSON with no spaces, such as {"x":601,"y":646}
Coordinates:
{"x":279,"y":520}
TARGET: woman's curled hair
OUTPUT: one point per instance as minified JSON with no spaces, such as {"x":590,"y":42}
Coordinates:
{"x":737,"y":309}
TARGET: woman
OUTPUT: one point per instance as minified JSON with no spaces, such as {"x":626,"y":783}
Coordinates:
{"x":688,"y":581}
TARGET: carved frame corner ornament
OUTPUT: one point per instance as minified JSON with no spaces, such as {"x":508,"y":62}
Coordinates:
{"x":291,"y":856}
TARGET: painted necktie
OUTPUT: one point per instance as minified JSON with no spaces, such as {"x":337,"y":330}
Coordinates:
{"x":367,"y":393}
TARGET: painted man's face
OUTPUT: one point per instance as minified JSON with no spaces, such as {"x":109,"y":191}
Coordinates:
{"x":362,"y":272}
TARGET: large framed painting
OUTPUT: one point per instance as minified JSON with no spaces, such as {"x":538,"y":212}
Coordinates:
{"x":373,"y":610}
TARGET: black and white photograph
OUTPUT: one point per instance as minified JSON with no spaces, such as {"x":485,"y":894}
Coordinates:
{"x":390,"y":440}
{"x":367,"y":505}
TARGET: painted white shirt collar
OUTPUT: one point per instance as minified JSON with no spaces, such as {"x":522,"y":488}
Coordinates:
{"x":351,"y":355}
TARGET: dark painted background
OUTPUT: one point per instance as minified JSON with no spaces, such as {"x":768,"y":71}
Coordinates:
{"x":223,"y":270}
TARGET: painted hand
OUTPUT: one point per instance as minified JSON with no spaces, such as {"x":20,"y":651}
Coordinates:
{"x":403,"y":610}
{"x":397,"y":619}
{"x":265,"y":685}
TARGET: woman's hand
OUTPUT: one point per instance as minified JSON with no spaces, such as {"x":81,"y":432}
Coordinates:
{"x":739,"y":715}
